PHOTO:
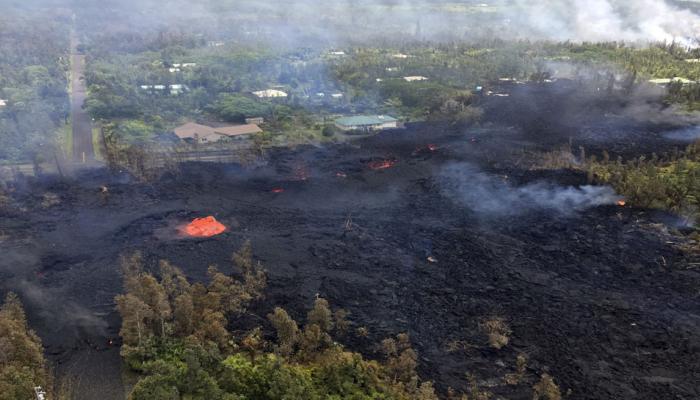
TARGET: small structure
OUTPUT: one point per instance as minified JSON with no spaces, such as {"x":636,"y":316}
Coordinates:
{"x":185,"y":65}
{"x":336,"y":53}
{"x":174,"y":89}
{"x":337,"y":96}
{"x":692,"y":60}
{"x":3,"y":103}
{"x":668,"y":81}
{"x":270,"y":94}
{"x":206,"y":134}
{"x":417,"y":78}
{"x":367,"y":123}
{"x":255,"y":120}
{"x":215,"y":43}
{"x":400,"y":56}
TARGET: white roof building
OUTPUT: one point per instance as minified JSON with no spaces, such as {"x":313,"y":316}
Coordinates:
{"x":3,"y":103}
{"x":270,"y":93}
{"x":174,"y":89}
{"x":399,"y":55}
{"x":668,"y":81}
{"x":415,"y":78}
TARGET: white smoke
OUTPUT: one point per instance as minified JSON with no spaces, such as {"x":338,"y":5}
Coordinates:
{"x":607,"y":20}
{"x":489,"y":195}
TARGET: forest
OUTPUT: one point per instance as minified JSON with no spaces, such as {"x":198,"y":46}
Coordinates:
{"x":34,"y":84}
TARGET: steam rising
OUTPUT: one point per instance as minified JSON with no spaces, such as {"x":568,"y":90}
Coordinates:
{"x":492,"y":197}
{"x":609,"y":20}
{"x":337,"y":21}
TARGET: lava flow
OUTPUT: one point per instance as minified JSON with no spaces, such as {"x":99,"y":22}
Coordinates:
{"x":204,"y":227}
{"x":277,"y":190}
{"x":382,"y":164}
{"x":621,"y":203}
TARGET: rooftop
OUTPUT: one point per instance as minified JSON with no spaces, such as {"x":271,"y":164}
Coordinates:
{"x":191,"y":129}
{"x":362,"y":120}
{"x":270,"y":93}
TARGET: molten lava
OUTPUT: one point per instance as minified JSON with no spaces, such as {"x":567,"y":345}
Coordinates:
{"x":383,"y":164}
{"x":277,"y":190}
{"x":621,"y":203}
{"x":204,"y":227}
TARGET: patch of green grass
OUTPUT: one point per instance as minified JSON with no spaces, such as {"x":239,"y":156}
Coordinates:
{"x":66,"y":138}
{"x":97,"y":143}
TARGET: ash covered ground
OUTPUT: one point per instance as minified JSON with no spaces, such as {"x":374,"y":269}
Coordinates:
{"x":454,"y":231}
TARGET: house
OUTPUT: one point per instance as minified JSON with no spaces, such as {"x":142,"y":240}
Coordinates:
{"x":366,"y":123}
{"x":400,"y":56}
{"x":174,"y":89}
{"x":414,"y":78}
{"x":206,"y":134}
{"x":255,"y":120}
{"x":3,"y":103}
{"x":692,"y":60}
{"x":337,"y":96}
{"x":391,"y":69}
{"x":668,"y":81}
{"x":336,"y":53}
{"x":178,"y":67}
{"x":270,"y":94}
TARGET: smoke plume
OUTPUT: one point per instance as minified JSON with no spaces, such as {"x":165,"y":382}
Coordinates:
{"x":607,"y":20}
{"x":491,"y":196}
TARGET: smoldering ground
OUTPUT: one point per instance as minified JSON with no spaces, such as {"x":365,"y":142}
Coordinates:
{"x":555,"y":279}
{"x":490,"y":196}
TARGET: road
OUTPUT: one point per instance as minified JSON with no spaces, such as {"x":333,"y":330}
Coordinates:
{"x":82,"y":125}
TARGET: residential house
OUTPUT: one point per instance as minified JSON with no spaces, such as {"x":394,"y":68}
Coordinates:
{"x":255,"y":120}
{"x":270,"y":94}
{"x":3,"y":103}
{"x":668,"y":81}
{"x":206,"y":134}
{"x":175,"y":89}
{"x":415,"y":78}
{"x":366,"y":123}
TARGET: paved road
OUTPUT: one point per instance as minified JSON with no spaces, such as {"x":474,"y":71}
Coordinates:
{"x":82,"y":125}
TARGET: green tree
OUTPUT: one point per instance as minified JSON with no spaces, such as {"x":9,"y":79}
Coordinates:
{"x":22,"y":364}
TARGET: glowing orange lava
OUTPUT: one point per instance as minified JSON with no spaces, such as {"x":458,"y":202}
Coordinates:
{"x":621,"y":203}
{"x":277,"y":190}
{"x":383,"y":164}
{"x":204,"y":227}
{"x":433,"y":147}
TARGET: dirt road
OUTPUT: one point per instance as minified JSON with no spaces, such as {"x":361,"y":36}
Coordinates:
{"x":82,"y":127}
